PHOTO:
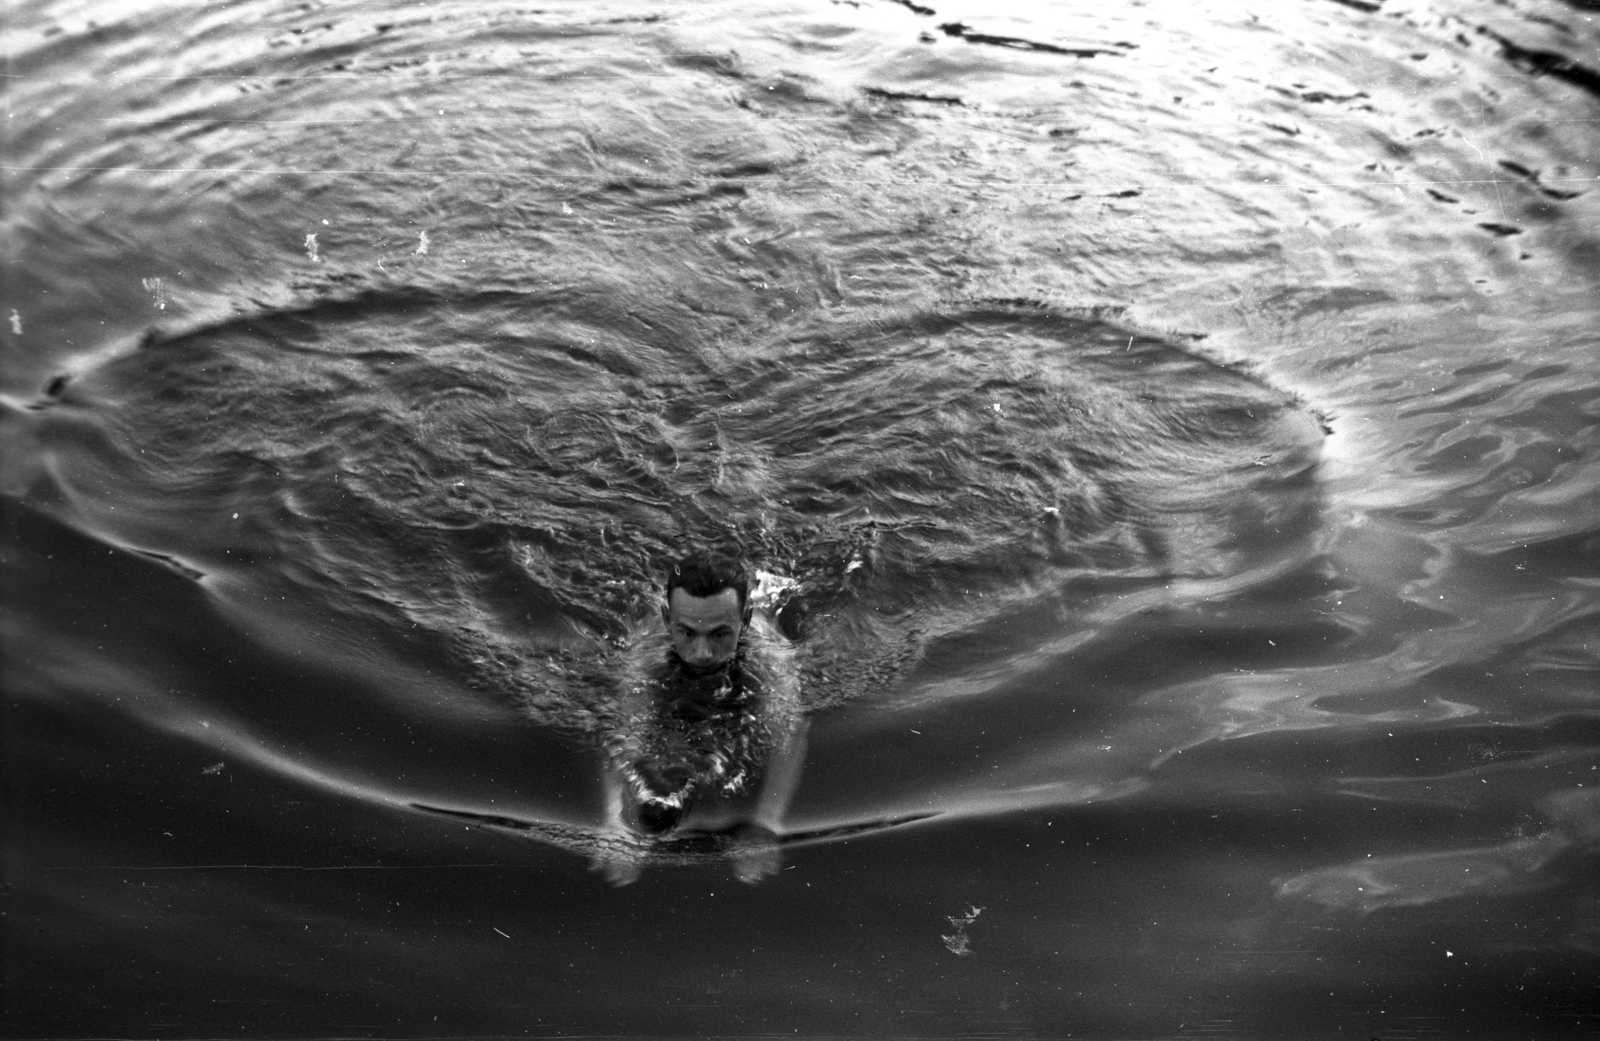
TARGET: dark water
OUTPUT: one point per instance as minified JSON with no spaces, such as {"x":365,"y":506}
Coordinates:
{"x":1179,"y":422}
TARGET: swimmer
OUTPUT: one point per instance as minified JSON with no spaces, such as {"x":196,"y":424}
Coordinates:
{"x":710,"y":736}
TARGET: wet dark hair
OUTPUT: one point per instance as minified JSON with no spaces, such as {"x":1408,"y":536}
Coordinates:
{"x":707,"y":574}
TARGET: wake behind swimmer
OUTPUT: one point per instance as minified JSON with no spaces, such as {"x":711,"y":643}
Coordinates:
{"x":709,"y":736}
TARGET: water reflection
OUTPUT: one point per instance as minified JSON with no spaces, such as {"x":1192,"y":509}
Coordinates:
{"x":1516,"y":866}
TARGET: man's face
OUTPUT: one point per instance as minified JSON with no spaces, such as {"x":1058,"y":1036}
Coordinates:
{"x":705,"y":629}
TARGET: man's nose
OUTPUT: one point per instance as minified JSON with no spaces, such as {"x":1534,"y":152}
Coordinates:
{"x":700,"y":651}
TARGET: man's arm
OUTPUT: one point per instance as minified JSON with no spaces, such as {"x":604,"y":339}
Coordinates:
{"x":613,"y":855}
{"x":781,"y":778}
{"x":757,"y":855}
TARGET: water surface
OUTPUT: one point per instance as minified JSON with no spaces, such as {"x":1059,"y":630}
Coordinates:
{"x":1179,"y":422}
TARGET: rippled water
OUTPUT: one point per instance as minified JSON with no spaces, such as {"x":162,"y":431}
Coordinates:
{"x":1179,"y":423}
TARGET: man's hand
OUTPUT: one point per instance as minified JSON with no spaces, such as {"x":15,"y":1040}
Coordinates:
{"x":756,"y":854}
{"x":619,"y":869}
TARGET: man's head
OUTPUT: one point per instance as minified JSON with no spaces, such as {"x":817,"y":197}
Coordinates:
{"x":707,"y":608}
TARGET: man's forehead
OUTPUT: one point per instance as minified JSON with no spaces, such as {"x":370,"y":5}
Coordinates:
{"x":721,"y":607}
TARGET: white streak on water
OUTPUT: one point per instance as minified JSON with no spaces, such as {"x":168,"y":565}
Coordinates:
{"x":157,"y":288}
